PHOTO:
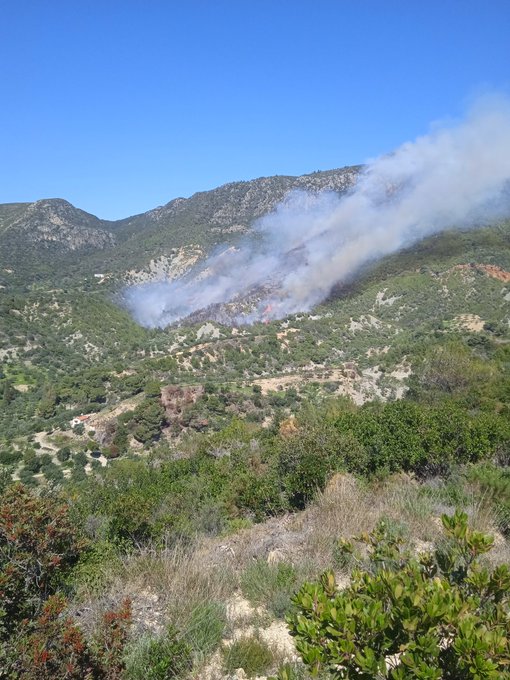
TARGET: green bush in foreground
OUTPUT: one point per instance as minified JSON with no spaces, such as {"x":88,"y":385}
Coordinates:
{"x":38,"y":546}
{"x":53,"y":647}
{"x":436,"y":616}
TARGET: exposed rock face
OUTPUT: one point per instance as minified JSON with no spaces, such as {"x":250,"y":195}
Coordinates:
{"x":58,"y":224}
{"x":165,"y":267}
{"x":208,"y":331}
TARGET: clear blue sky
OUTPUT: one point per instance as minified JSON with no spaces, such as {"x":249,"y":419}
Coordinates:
{"x":119,"y":106}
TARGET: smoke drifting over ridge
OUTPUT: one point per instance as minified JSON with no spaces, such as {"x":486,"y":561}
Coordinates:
{"x":455,"y":177}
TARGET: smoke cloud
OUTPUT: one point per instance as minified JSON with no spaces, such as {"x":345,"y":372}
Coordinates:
{"x":457,"y":176}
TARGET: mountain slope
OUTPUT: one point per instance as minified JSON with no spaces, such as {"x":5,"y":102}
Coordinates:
{"x":53,"y":223}
{"x":234,"y":206}
{"x":51,"y":239}
{"x":38,"y":240}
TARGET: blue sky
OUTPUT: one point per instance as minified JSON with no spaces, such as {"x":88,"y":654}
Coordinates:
{"x":120,"y":106}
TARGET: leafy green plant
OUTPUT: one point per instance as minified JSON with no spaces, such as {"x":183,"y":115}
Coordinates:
{"x":307,"y":459}
{"x":439,"y":615}
{"x":38,"y":546}
{"x":97,"y":565}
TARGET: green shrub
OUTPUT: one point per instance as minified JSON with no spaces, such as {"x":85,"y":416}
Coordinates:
{"x":440,"y":615}
{"x":38,"y":546}
{"x":52,"y":472}
{"x":96,"y":565}
{"x":403,"y":435}
{"x":259,"y":494}
{"x":237,"y":524}
{"x":64,"y":454}
{"x":50,"y":648}
{"x":80,"y":459}
{"x":149,"y":417}
{"x":152,"y":389}
{"x":31,"y":461}
{"x":45,"y":459}
{"x":10,"y":457}
{"x":27,"y":478}
{"x":307,"y":459}
{"x":78,"y":474}
{"x":250,"y":654}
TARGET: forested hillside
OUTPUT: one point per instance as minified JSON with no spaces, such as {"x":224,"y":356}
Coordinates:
{"x":166,"y":492}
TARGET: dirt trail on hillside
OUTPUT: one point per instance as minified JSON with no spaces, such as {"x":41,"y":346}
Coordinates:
{"x":42,"y":439}
{"x":359,"y":386}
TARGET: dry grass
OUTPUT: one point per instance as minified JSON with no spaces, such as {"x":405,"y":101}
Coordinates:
{"x":346,"y":508}
{"x":165,"y":587}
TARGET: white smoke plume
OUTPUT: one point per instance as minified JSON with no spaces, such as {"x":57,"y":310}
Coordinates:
{"x":455,"y":177}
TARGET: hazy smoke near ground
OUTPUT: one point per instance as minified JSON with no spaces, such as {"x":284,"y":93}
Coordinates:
{"x":455,"y":177}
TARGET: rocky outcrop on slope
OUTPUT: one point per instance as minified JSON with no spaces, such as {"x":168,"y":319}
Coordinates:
{"x":55,"y":223}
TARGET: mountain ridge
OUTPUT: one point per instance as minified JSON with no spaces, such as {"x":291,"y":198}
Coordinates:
{"x":54,"y":234}
{"x":305,"y":179}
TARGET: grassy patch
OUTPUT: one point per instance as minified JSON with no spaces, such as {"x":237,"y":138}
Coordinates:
{"x":249,"y":653}
{"x":205,"y":627}
{"x":271,"y":585}
{"x":158,"y":658}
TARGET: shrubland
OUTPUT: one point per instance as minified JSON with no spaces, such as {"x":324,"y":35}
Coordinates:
{"x":143,"y":534}
{"x":217,"y":477}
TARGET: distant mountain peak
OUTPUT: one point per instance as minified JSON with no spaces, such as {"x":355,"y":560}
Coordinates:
{"x":52,"y":223}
